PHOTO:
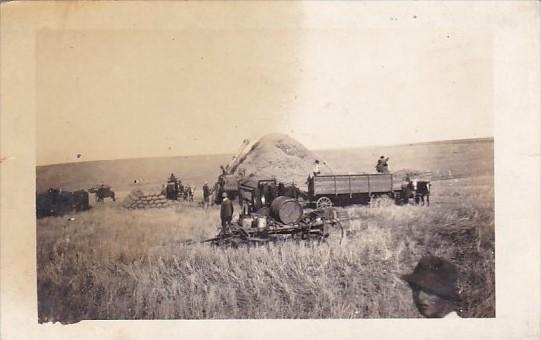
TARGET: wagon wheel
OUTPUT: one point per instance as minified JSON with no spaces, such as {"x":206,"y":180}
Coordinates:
{"x":323,"y":202}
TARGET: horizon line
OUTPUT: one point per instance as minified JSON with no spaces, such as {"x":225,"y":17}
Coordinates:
{"x":314,"y":150}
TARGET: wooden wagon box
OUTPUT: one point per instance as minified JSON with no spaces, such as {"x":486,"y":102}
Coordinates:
{"x":327,"y":185}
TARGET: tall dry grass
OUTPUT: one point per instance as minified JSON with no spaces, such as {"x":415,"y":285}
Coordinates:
{"x":112,"y":263}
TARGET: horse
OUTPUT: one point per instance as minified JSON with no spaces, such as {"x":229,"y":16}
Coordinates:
{"x":408,"y":191}
{"x":422,"y":191}
{"x":102,"y":192}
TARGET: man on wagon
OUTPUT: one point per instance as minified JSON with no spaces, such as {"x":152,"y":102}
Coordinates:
{"x":382,"y":166}
{"x":315,"y":172}
{"x":316,"y":168}
{"x":226,"y":212}
{"x":434,"y":287}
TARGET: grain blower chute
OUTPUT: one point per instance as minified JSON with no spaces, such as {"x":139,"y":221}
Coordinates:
{"x":228,"y":181}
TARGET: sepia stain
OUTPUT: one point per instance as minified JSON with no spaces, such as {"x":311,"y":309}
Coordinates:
{"x":6,"y":158}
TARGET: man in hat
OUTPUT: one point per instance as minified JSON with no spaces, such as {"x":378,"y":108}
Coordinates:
{"x":434,"y":287}
{"x":226,"y":212}
{"x":187,"y":190}
{"x":316,"y":168}
{"x":315,"y":172}
{"x":382,"y":166}
{"x":206,"y":195}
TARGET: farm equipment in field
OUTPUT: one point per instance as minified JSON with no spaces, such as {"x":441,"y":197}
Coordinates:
{"x":257,"y":194}
{"x":328,"y":190}
{"x":228,"y":181}
{"x":174,"y":190}
{"x":101,"y":192}
{"x":284,"y":219}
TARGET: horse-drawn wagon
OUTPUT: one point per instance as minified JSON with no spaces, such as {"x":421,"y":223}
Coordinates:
{"x":328,"y":190}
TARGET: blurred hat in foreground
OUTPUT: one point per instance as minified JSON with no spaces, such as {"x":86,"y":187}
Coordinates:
{"x":435,"y":275}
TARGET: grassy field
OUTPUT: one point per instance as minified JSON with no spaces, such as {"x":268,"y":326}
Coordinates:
{"x":111,"y":263}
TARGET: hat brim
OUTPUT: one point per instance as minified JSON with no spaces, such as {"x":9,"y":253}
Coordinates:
{"x":432,"y":284}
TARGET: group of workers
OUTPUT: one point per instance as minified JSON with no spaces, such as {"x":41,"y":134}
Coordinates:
{"x":179,"y":190}
{"x":187,"y":191}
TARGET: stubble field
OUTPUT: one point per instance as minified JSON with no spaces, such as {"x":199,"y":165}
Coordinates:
{"x":112,"y":263}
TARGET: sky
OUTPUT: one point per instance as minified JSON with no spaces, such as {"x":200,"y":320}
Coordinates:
{"x":130,"y":93}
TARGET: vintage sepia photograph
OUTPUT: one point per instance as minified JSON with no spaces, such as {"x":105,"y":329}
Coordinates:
{"x":270,"y":170}
{"x":299,"y":172}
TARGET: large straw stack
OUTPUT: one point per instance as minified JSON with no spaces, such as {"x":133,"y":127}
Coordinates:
{"x":140,"y":200}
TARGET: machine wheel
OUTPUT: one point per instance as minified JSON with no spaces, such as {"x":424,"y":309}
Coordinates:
{"x":323,"y":202}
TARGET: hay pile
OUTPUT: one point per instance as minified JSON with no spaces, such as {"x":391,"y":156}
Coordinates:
{"x":279,"y":156}
{"x":139,"y":200}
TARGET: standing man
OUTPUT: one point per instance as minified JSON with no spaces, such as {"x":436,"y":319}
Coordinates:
{"x":180,"y":192}
{"x":315,"y":172}
{"x":434,"y":287}
{"x":226,"y":212}
{"x":192,"y":191}
{"x":187,"y":190}
{"x":316,"y":168}
{"x":206,"y":195}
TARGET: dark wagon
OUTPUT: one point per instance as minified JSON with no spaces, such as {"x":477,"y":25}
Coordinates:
{"x":328,"y":190}
{"x":56,"y":202}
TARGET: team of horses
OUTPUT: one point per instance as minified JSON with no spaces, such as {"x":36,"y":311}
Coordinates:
{"x":414,"y":191}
